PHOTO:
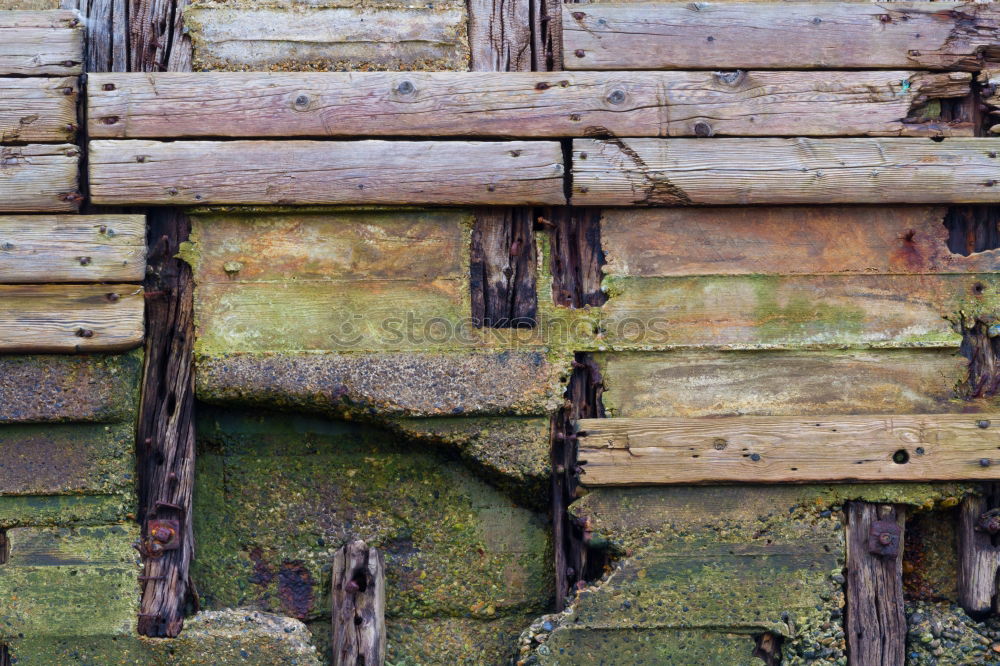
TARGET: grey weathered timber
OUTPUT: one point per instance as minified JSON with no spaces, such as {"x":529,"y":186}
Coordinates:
{"x":38,"y":110}
{"x":876,"y":624}
{"x":40,"y":43}
{"x":500,"y":35}
{"x":519,"y":104}
{"x":39,"y":178}
{"x":106,"y":23}
{"x":72,"y":248}
{"x":70,"y":318}
{"x":978,"y":556}
{"x":324,"y":172}
{"x":680,"y":172}
{"x":777,"y":449}
{"x":776,"y":35}
{"x":357,"y":593}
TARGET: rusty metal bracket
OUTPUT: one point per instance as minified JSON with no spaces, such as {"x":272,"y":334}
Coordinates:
{"x":989,"y":522}
{"x":883,"y":538}
{"x":164,"y":534}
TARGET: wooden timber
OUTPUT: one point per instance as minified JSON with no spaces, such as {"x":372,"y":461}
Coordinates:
{"x":41,"y":43}
{"x":519,"y":104}
{"x":758,"y":449}
{"x":72,"y":248}
{"x":500,"y":35}
{"x":70,"y":318}
{"x":357,"y":593}
{"x":503,"y":263}
{"x":783,"y":240}
{"x":324,"y":172}
{"x":876,"y":623}
{"x":710,"y":35}
{"x":38,"y":110}
{"x":682,"y":172}
{"x":39,"y":178}
{"x":979,"y":556}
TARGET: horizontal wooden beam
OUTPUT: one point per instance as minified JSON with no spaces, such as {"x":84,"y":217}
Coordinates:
{"x":70,"y":318}
{"x":783,"y":240}
{"x":682,"y":172}
{"x":38,"y":110}
{"x":518,"y":104}
{"x":775,"y":35}
{"x":72,"y":248}
{"x":326,"y":172}
{"x":39,"y":178}
{"x":41,"y":43}
{"x":758,"y":449}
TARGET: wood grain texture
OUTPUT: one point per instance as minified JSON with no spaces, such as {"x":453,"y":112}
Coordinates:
{"x":784,"y":240}
{"x":519,"y":104}
{"x":876,"y":622}
{"x":768,"y":311}
{"x":500,"y":35}
{"x":38,"y":110}
{"x":304,"y":172}
{"x":680,"y":172}
{"x":928,"y":35}
{"x":978,"y":557}
{"x":41,"y":43}
{"x":64,"y":248}
{"x":357,"y":593}
{"x":783,"y":383}
{"x":39,"y":178}
{"x":57,"y":319}
{"x":792,"y":449}
{"x":106,"y":23}
{"x":502,"y":270}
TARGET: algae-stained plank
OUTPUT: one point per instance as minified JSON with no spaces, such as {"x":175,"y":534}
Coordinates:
{"x":39,"y":178}
{"x":518,"y":104}
{"x":432,"y":37}
{"x":584,"y":646}
{"x":62,"y":388}
{"x":342,"y":245}
{"x":789,"y":449}
{"x":325,"y":172}
{"x":782,"y":383}
{"x":680,"y":172}
{"x":783,"y":240}
{"x":740,"y":312}
{"x":70,"y":318}
{"x":82,"y":582}
{"x":45,"y":459}
{"x":77,"y":248}
{"x":40,"y":43}
{"x":38,"y":110}
{"x":716,"y":35}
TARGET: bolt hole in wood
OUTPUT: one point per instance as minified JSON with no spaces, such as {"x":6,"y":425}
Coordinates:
{"x":901,"y":457}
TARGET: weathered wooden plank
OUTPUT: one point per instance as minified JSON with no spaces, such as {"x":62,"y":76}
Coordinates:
{"x":932,"y":35}
{"x":659,"y":172}
{"x":432,"y":37}
{"x":782,"y":383}
{"x":38,"y":110}
{"x":39,"y":178}
{"x":40,"y":43}
{"x":765,"y":311}
{"x":876,"y":623}
{"x":503,"y":267}
{"x":313,"y":172}
{"x":519,"y":104}
{"x":70,"y":318}
{"x":64,"y":248}
{"x":783,"y":240}
{"x":358,"y":605}
{"x":978,"y":555}
{"x":790,"y":449}
{"x":500,"y":35}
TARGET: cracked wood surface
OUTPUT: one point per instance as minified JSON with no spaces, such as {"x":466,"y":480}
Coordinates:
{"x":706,"y":35}
{"x":519,"y":104}
{"x":72,"y":248}
{"x":38,"y":110}
{"x":41,"y":43}
{"x":325,"y":172}
{"x":789,"y":449}
{"x":70,"y":318}
{"x":682,"y":172}
{"x":39,"y":178}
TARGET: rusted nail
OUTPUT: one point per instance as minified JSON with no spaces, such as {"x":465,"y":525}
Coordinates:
{"x":579,"y":53}
{"x":172,"y":191}
{"x":71,"y":197}
{"x":616,"y":96}
{"x":984,"y":462}
{"x":885,"y":18}
{"x":579,"y":16}
{"x":584,"y":189}
{"x":113,"y":297}
{"x":109,"y":120}
{"x":542,"y":85}
{"x":103,"y":228}
{"x":491,"y":187}
{"x":983,"y":423}
{"x":108,"y":86}
{"x":69,"y":63}
{"x":84,"y":333}
{"x":68,"y":91}
{"x":84,"y":261}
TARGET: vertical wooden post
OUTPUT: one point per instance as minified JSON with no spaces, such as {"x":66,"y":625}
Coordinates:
{"x":503,"y":268}
{"x":876,"y":621}
{"x":357,"y":592}
{"x":978,"y":555}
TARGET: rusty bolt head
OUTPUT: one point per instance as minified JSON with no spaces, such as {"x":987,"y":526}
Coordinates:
{"x":885,"y":538}
{"x":579,"y":16}
{"x":579,"y":53}
{"x":156,"y":548}
{"x":162,"y":534}
{"x":984,"y":424}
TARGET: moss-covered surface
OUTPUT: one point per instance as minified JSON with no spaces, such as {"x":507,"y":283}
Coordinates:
{"x":930,"y":565}
{"x":587,"y":647}
{"x":276,"y":495}
{"x":79,"y":510}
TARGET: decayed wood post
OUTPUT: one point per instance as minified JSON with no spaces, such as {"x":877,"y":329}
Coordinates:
{"x":876,"y":621}
{"x":357,"y":592}
{"x":978,"y":554}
